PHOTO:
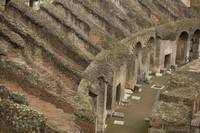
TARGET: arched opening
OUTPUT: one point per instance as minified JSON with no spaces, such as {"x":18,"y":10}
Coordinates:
{"x":109,"y":98}
{"x":181,"y":50}
{"x":194,"y":46}
{"x":138,"y":55}
{"x":118,"y":94}
{"x":35,"y":4}
{"x":31,"y":3}
{"x":153,"y":51}
{"x":7,"y":1}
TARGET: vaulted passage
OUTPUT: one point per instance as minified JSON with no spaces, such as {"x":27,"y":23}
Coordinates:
{"x":194,"y":46}
{"x":181,"y":48}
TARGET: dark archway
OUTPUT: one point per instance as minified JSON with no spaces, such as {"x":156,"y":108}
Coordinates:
{"x":138,"y":55}
{"x":109,"y":97}
{"x":181,"y":50}
{"x":118,"y":94}
{"x":194,"y":46}
{"x":7,"y":1}
{"x":153,"y":51}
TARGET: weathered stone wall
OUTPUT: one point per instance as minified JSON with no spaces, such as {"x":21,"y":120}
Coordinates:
{"x":166,"y":47}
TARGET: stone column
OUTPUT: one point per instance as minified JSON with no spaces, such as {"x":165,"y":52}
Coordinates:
{"x":101,"y":105}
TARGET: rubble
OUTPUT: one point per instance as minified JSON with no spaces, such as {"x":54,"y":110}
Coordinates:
{"x":21,"y":118}
{"x":154,"y":130}
{"x":170,"y":115}
{"x":17,"y":97}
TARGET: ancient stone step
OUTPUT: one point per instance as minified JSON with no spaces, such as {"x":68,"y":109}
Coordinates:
{"x":50,"y":33}
{"x":67,"y":64}
{"x":58,"y":18}
{"x":94,"y":13}
{"x":96,"y":33}
{"x":55,"y":116}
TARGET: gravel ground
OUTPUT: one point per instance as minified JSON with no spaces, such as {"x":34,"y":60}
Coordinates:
{"x":137,"y":111}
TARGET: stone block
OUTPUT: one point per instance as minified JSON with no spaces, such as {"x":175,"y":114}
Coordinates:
{"x":119,"y":122}
{"x":125,"y":102}
{"x":163,"y":70}
{"x":168,"y":72}
{"x":137,"y":88}
{"x":174,"y":67}
{"x":158,"y":74}
{"x":149,"y":79}
{"x":118,"y":115}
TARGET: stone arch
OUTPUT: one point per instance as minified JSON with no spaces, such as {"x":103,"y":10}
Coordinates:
{"x":181,"y":49}
{"x":194,"y":46}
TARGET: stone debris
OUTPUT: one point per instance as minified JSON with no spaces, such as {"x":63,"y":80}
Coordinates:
{"x":118,"y":122}
{"x":177,"y":81}
{"x":163,"y":71}
{"x":128,"y":91}
{"x":154,"y":130}
{"x":138,"y":88}
{"x":158,"y":74}
{"x":126,"y":96}
{"x":158,"y":87}
{"x":168,"y":72}
{"x":148,"y":79}
{"x":170,"y":115}
{"x":118,"y":115}
{"x":135,"y":97}
{"x":16,"y":97}
{"x":174,"y":67}
{"x":20,"y":117}
{"x":125,"y":102}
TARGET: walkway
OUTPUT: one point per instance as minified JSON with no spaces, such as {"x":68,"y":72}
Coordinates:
{"x":137,"y":111}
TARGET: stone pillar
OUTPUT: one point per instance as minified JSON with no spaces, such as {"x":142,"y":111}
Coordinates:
{"x":101,"y":105}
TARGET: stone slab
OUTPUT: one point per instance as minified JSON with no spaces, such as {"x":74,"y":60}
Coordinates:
{"x":125,"y":102}
{"x":118,"y":122}
{"x":158,"y":74}
{"x":135,"y":97}
{"x":118,"y":115}
{"x":128,"y":91}
{"x":126,"y":96}
{"x":158,"y":87}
